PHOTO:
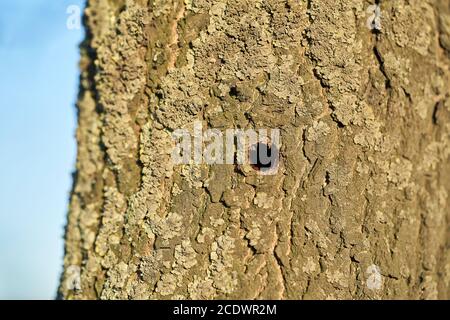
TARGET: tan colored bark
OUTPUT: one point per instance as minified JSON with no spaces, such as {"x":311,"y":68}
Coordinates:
{"x":365,"y":171}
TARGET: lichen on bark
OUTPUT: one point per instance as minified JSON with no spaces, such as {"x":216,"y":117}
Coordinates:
{"x":363,"y":185}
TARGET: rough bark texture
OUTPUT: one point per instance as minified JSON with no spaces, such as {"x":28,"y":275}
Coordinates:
{"x":365,"y":132}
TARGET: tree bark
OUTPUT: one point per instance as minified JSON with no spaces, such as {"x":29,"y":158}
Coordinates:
{"x":360,"y":206}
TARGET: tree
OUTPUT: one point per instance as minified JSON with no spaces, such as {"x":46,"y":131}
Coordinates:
{"x":360,"y":205}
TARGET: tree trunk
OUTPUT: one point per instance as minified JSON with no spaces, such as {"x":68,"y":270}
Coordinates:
{"x":360,"y":205}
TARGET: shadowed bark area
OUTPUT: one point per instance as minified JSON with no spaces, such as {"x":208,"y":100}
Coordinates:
{"x":360,"y":206}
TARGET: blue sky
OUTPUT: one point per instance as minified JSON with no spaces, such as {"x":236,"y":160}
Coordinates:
{"x":38,"y":88}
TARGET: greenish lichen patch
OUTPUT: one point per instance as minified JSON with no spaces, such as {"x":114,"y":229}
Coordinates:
{"x":363,"y":181}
